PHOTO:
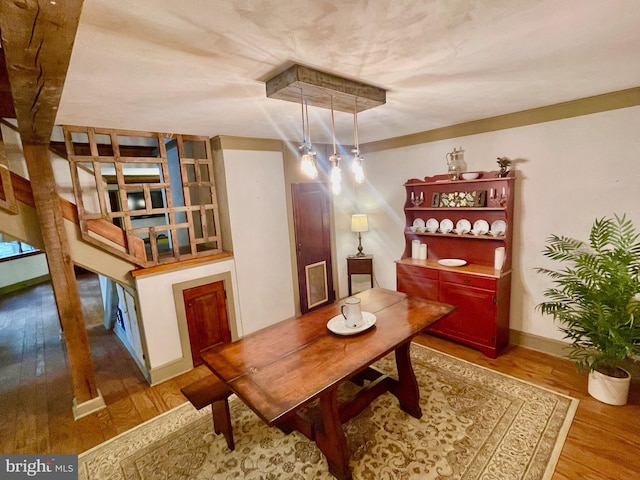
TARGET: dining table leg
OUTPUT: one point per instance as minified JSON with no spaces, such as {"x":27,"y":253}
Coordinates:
{"x":330,"y":436}
{"x":406,"y":390}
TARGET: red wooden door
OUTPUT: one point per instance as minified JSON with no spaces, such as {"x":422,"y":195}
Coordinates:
{"x":207,"y":320}
{"x":311,"y":217}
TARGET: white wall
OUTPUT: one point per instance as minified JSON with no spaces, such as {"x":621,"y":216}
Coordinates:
{"x":22,"y":269}
{"x":261,"y":247}
{"x":260,"y":268}
{"x":158,"y":310}
{"x":569,"y":171}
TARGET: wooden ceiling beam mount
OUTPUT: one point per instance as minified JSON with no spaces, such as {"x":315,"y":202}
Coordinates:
{"x":318,"y":87}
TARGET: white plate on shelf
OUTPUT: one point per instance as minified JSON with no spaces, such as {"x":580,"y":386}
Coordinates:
{"x":446,"y":225}
{"x":480,"y":227}
{"x":338,"y":325}
{"x":498,"y":228}
{"x":432,"y":225}
{"x":418,"y":222}
{"x":463,"y":226}
{"x":452,"y":262}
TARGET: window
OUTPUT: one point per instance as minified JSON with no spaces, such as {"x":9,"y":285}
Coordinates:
{"x":13,"y":248}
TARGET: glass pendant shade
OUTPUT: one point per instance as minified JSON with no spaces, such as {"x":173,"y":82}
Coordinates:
{"x":358,"y":171}
{"x":308,"y":166}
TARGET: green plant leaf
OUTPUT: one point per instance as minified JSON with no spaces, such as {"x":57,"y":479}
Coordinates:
{"x":594,"y":294}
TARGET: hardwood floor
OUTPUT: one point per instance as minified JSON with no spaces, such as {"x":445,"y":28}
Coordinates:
{"x":36,"y":397}
{"x":35,"y":386}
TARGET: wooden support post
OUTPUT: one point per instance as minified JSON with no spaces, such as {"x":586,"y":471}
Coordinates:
{"x":61,"y":270}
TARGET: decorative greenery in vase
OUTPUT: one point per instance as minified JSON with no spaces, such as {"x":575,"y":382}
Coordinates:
{"x":595,"y":297}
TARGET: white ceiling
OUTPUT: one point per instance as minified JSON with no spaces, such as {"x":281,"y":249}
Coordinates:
{"x":198,"y":66}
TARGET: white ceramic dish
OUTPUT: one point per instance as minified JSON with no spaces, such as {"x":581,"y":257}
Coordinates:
{"x":480,"y":227}
{"x":446,"y":226}
{"x":338,"y":325}
{"x":498,"y":227}
{"x":418,"y":222}
{"x":470,"y":175}
{"x":452,"y":262}
{"x":432,"y":225}
{"x":463,"y":226}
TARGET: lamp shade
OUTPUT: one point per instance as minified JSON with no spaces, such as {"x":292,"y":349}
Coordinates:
{"x":359,"y":223}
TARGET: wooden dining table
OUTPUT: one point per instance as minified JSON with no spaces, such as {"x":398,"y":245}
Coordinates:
{"x":279,"y":370}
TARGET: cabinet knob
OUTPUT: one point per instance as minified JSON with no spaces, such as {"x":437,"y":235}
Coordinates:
{"x":467,"y":281}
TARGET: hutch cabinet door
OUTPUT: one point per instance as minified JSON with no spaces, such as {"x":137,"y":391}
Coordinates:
{"x":475,"y":318}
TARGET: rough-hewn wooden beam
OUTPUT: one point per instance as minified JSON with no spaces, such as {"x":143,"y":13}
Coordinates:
{"x":60,"y":265}
{"x":37,"y":37}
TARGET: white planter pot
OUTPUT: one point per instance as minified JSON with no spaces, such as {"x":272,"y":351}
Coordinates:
{"x":611,"y":390}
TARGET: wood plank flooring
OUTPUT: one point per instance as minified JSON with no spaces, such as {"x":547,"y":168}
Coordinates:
{"x":36,"y":396}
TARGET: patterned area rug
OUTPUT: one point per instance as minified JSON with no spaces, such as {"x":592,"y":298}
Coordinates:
{"x":476,"y":424}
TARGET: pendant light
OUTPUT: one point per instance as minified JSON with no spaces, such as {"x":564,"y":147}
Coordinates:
{"x":356,"y":165}
{"x":307,"y":160}
{"x":335,"y":176}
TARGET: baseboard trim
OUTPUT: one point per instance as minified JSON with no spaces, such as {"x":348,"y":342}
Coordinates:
{"x":90,"y":406}
{"x":25,"y":284}
{"x":169,"y":370}
{"x":551,"y":346}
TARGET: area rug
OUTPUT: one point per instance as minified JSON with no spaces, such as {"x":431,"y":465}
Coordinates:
{"x":476,"y":424}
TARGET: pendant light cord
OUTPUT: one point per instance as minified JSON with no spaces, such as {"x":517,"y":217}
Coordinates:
{"x":333,"y":128}
{"x":355,"y":127}
{"x":306,"y":111}
{"x":304,"y":128}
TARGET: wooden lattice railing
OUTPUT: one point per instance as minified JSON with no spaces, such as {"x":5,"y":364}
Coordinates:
{"x":100,"y":228}
{"x":161,"y":196}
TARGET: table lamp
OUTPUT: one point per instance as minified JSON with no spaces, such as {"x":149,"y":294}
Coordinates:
{"x":359,"y":224}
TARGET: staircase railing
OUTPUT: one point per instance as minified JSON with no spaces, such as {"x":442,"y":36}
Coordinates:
{"x":21,"y":190}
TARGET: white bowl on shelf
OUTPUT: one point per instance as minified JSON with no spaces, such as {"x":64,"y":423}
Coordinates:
{"x":470,"y":175}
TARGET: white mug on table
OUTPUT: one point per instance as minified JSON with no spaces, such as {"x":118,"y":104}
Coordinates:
{"x":352,"y":313}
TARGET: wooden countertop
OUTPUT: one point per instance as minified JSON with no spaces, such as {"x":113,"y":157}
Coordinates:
{"x":470,"y":268}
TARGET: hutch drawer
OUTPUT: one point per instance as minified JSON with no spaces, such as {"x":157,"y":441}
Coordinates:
{"x":468,"y":280}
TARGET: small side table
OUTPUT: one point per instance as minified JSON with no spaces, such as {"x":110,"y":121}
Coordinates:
{"x":359,"y":266}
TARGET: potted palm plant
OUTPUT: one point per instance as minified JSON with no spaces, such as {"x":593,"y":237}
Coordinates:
{"x":595,"y":299}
